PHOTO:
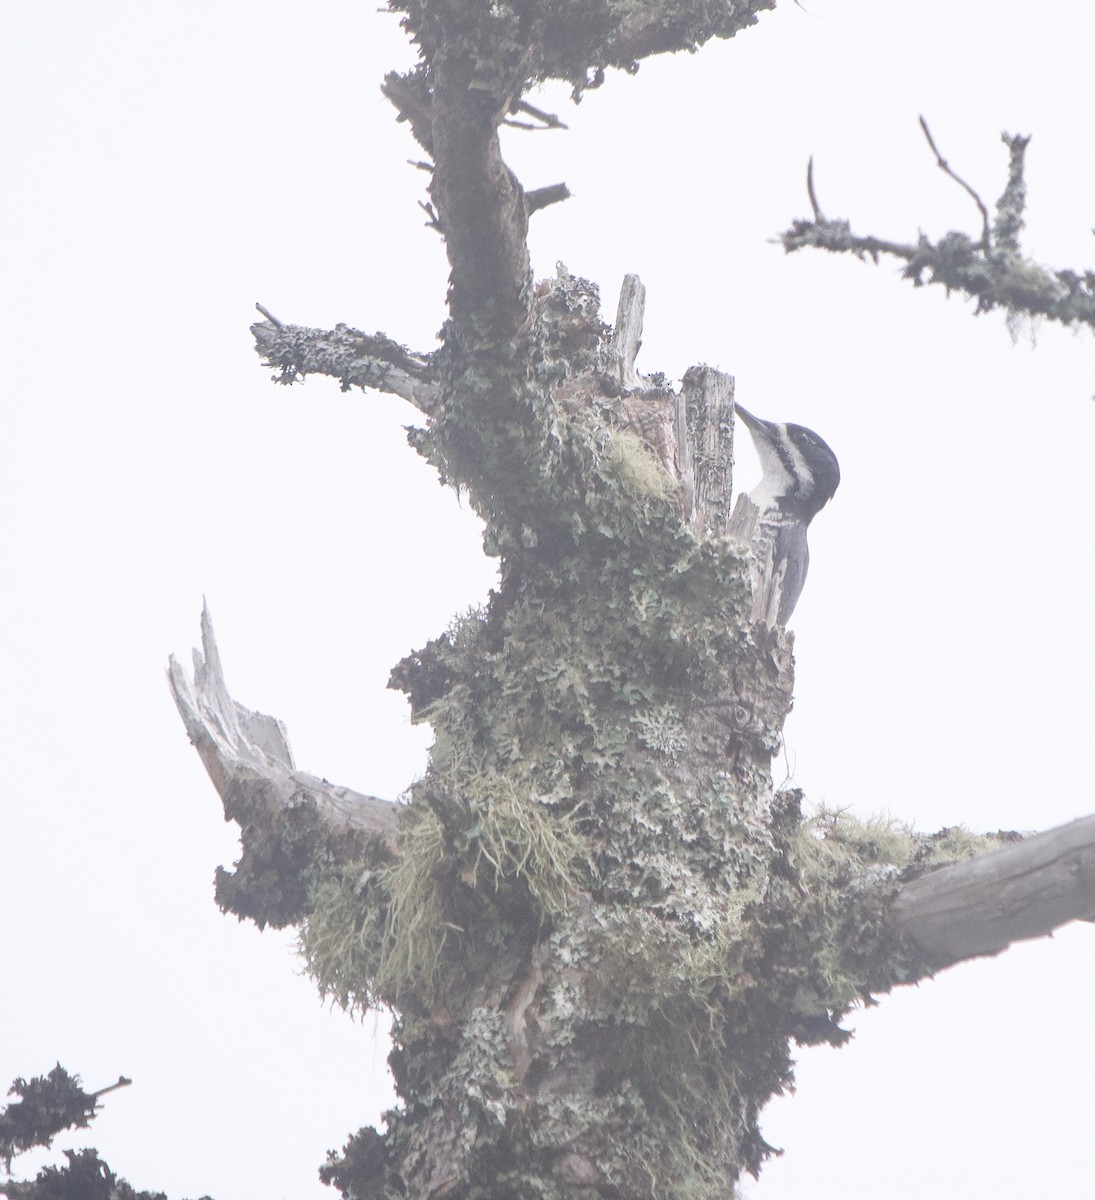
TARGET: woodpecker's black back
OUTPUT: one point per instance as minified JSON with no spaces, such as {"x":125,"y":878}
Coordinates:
{"x":800,"y":476}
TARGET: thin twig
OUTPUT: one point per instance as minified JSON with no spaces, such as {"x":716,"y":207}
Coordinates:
{"x":122,"y":1082}
{"x":810,"y":190}
{"x":550,"y":120}
{"x":269,"y":316}
{"x":941,"y":162}
{"x":420,"y":165}
{"x":428,"y":209}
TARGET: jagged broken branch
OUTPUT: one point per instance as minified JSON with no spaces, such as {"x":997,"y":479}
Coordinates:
{"x":990,"y":269}
{"x":285,"y":814}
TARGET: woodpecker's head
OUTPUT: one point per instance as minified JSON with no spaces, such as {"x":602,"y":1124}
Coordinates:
{"x":800,"y":471}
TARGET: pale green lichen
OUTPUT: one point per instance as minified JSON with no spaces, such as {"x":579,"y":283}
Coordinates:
{"x":990,"y":268}
{"x":660,"y":729}
{"x":640,"y":476}
{"x":594,"y":872}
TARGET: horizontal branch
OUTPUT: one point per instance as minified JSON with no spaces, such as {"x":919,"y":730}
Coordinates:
{"x":355,"y":359}
{"x":990,"y":268}
{"x":540,"y":198}
{"x":286,"y":816}
{"x":1016,"y":284}
{"x":546,"y":120}
{"x":1022,"y":891}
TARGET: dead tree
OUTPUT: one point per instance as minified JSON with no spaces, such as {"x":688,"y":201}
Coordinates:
{"x":598,"y":927}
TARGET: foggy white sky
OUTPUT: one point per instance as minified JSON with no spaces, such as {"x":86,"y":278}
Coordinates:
{"x":168,"y":165}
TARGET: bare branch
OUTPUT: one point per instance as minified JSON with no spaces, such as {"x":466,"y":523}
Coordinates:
{"x":547,"y":120}
{"x":1023,"y":891}
{"x":943,"y":165}
{"x":810,"y":190}
{"x":269,"y":316}
{"x":541,"y":197}
{"x":354,"y":358}
{"x":434,"y":221}
{"x":112,"y":1087}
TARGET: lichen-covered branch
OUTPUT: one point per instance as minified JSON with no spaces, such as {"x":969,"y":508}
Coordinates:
{"x":84,"y":1176}
{"x":286,"y":816}
{"x":44,"y":1107}
{"x":355,"y":359}
{"x":666,"y":28}
{"x":47,"y":1105}
{"x":989,"y":268}
{"x":1022,"y":891}
{"x":574,"y":41}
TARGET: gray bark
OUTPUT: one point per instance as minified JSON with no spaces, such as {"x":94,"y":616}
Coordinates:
{"x":1022,"y":891}
{"x":247,"y":755}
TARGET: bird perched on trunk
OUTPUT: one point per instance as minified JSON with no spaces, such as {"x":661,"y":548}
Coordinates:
{"x":800,"y":476}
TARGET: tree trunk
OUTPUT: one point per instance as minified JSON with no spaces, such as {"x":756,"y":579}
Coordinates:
{"x":598,"y":927}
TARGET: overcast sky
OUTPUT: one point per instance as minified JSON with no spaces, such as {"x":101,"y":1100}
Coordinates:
{"x":167,"y":165}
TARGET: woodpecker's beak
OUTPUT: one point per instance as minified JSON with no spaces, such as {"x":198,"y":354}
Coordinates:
{"x":754,"y":424}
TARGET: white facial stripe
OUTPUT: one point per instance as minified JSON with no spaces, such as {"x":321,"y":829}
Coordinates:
{"x":775,"y":481}
{"x":801,"y":468}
